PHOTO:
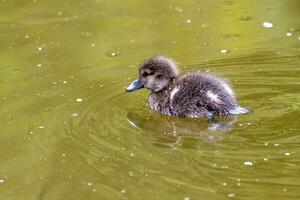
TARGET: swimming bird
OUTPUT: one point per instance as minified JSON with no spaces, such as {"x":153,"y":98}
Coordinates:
{"x":193,"y":95}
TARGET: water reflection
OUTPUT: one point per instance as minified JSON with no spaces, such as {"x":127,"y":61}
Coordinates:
{"x":171,"y":131}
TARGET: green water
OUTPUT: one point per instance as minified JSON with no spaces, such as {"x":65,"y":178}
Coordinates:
{"x":69,"y":131}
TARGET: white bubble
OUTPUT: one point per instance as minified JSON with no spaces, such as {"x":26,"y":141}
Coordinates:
{"x":224,"y":50}
{"x":178,"y":9}
{"x":1,"y":181}
{"x":75,"y":115}
{"x":79,"y":100}
{"x":248,"y":163}
{"x":231,"y":195}
{"x":123,"y":191}
{"x":287,"y":153}
{"x":289,"y":34}
{"x":189,"y":21}
{"x":39,"y":65}
{"x":40,"y":48}
{"x":267,"y":24}
{"x":41,"y":127}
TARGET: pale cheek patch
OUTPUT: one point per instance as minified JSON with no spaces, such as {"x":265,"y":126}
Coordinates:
{"x":212,"y":96}
{"x":174,"y":91}
{"x":150,"y":80}
{"x":228,"y":89}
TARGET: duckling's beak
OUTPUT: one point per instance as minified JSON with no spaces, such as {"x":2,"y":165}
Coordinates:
{"x":135,"y":85}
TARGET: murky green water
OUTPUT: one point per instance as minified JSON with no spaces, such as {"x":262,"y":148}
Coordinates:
{"x":69,"y":131}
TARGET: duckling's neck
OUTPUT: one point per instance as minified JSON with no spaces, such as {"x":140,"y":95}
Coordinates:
{"x":160,"y":101}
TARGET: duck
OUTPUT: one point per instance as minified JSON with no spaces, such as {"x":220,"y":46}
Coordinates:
{"x":192,"y":95}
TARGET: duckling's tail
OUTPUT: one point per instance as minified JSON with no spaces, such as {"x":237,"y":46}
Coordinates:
{"x":239,"y":111}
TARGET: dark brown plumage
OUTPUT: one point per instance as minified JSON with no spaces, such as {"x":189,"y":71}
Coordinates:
{"x":192,"y":95}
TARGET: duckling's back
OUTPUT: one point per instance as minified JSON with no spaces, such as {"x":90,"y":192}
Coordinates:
{"x":203,"y":95}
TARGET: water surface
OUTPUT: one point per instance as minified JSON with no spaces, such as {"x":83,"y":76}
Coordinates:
{"x":69,"y":130}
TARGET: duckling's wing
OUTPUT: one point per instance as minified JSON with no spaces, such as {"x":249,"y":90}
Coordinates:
{"x":239,"y":111}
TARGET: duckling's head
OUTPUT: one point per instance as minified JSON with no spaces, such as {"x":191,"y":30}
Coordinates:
{"x":155,"y":74}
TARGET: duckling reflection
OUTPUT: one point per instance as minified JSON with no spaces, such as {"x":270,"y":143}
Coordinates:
{"x":171,"y":131}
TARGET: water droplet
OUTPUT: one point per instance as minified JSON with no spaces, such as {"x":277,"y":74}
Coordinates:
{"x":289,"y":34}
{"x":39,"y":65}
{"x":248,"y":163}
{"x":231,"y":195}
{"x":189,"y":21}
{"x":224,"y":50}
{"x":267,"y":24}
{"x":75,"y":115}
{"x":93,"y":44}
{"x":123,"y":191}
{"x":287,"y":153}
{"x":113,"y":53}
{"x":79,"y":100}
{"x":40,"y":48}
{"x":41,"y":127}
{"x":178,"y":9}
{"x":186,"y":198}
{"x":89,"y":184}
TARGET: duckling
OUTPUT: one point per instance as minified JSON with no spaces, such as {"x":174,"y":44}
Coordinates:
{"x":192,"y":95}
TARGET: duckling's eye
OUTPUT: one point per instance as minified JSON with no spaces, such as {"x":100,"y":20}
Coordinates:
{"x":144,"y":74}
